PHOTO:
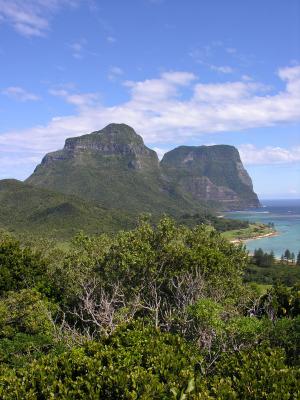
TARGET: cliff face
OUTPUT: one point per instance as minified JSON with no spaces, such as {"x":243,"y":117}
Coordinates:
{"x":114,"y":167}
{"x":211,"y":173}
{"x":114,"y":140}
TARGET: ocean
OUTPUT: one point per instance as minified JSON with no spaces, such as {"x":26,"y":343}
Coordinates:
{"x":285,"y":214}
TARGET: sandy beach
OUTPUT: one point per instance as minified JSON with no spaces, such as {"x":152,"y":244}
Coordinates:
{"x":275,"y":233}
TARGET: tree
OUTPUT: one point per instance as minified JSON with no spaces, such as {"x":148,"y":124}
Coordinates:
{"x":293,"y":257}
{"x":298,"y":259}
{"x":262,"y":259}
{"x":287,"y":255}
{"x":20,"y":267}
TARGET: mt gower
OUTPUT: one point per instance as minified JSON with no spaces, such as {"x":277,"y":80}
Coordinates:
{"x":114,"y":170}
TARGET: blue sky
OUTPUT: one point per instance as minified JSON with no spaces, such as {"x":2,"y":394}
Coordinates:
{"x":180,"y":72}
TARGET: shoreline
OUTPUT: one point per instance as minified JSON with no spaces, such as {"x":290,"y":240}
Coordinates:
{"x":262,"y":236}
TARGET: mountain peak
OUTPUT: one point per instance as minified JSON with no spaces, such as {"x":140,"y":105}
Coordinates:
{"x":211,"y":173}
{"x":102,"y":140}
{"x":113,"y":166}
{"x":116,"y":143}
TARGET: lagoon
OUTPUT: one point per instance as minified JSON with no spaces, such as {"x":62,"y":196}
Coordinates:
{"x":285,"y":214}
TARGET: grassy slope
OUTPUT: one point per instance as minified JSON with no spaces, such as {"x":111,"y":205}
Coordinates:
{"x":251,"y":232}
{"x":27,"y":209}
{"x":108,"y":180}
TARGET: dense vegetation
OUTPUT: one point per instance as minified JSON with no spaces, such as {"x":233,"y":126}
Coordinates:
{"x":114,"y":168}
{"x":28,"y":210}
{"x":219,"y":223}
{"x":159,"y":312}
{"x":264,"y":268}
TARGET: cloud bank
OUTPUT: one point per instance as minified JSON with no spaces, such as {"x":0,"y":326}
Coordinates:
{"x":173,"y":108}
{"x":31,"y":17}
{"x":19,"y":94}
{"x":252,"y":155}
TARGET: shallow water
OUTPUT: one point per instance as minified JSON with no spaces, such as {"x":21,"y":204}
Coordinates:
{"x":285,"y":214}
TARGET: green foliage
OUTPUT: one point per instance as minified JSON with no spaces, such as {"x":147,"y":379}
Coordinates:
{"x":133,"y":363}
{"x":112,"y":167}
{"x":141,"y":362}
{"x":22,"y":348}
{"x":157,"y":312}
{"x":260,"y":373}
{"x":286,"y":334}
{"x":26,"y":312}
{"x":288,"y":275}
{"x":263,"y":259}
{"x":281,"y":301}
{"x":219,"y":223}
{"x":246,"y":331}
{"x":298,"y":259}
{"x":207,"y":313}
{"x":28,"y":210}
{"x":146,"y":255}
{"x":20,"y":267}
{"x":26,"y":327}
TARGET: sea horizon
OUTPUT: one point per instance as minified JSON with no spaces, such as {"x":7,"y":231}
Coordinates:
{"x":285,"y":215}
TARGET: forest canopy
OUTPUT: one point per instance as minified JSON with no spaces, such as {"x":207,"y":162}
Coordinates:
{"x":156,"y":312}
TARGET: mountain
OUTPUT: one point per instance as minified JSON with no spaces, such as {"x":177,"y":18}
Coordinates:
{"x":211,"y":173}
{"x":114,"y":168}
{"x":26,"y":209}
{"x":100,"y":182}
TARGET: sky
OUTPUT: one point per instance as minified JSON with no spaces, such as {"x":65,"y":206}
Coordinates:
{"x":180,"y":72}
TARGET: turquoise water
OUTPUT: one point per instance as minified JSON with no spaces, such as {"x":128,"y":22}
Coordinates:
{"x":285,"y":214}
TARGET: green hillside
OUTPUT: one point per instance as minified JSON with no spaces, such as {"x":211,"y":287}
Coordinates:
{"x":25,"y":209}
{"x":115,"y":168}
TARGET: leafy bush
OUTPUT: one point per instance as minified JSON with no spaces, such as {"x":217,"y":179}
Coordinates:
{"x":133,"y":363}
{"x":260,"y":373}
{"x":20,"y":267}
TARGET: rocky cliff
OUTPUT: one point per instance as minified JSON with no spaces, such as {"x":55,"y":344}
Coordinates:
{"x":115,"y":168}
{"x":113,"y":140}
{"x":211,"y":173}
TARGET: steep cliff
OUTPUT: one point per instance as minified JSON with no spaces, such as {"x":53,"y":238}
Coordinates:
{"x":113,"y":167}
{"x":211,"y":173}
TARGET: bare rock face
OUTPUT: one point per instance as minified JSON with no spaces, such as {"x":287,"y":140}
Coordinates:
{"x":211,"y":173}
{"x":114,"y":140}
{"x":203,"y":189}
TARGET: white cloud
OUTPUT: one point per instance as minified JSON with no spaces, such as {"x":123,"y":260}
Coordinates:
{"x":80,"y":100}
{"x":231,"y":50}
{"x":31,"y":17}
{"x":252,"y":155}
{"x":111,"y":39}
{"x":20,"y":94}
{"x":115,"y":73}
{"x":78,"y":48}
{"x":161,"y":112}
{"x":227,"y":92}
{"x":160,"y":151}
{"x":224,"y":69}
